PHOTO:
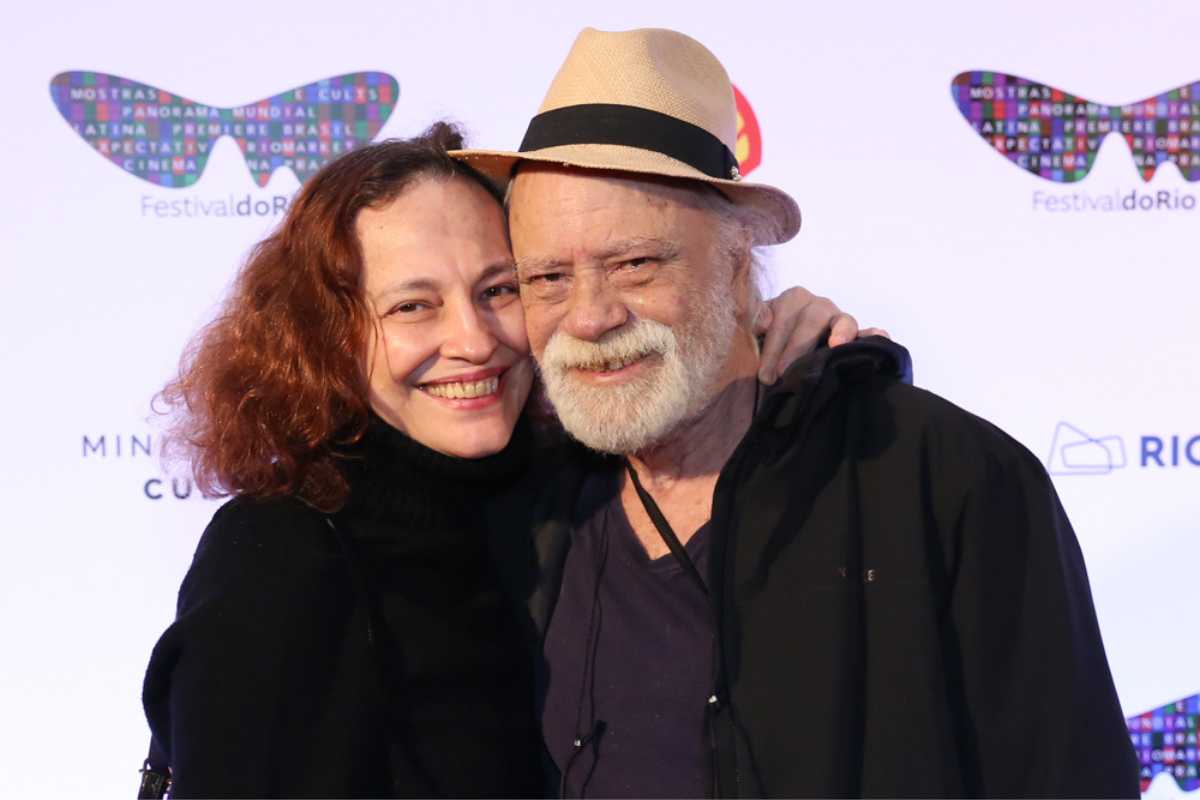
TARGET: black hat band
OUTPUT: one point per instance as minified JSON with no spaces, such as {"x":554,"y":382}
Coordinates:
{"x":608,"y":123}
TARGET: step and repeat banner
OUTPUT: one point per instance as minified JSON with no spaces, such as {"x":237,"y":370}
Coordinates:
{"x":1009,"y":189}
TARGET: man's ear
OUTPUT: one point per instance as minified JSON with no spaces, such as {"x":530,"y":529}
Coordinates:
{"x":741,"y":281}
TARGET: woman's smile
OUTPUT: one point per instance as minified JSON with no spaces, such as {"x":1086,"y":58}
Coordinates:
{"x":470,"y":391}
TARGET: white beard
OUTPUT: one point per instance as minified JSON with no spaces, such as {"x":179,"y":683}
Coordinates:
{"x":635,"y":416}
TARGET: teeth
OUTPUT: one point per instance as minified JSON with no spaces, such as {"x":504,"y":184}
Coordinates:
{"x":464,"y":391}
{"x":612,"y":365}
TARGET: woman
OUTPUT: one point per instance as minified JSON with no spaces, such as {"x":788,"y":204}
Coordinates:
{"x":341,"y":631}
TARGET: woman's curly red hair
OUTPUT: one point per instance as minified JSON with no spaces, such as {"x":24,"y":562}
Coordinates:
{"x":272,"y":392}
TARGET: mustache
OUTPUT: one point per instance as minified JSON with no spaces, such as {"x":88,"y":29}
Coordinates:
{"x":1056,"y":135}
{"x":631,"y":341}
{"x":166,"y":139}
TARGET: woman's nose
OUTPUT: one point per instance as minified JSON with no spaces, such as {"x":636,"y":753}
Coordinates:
{"x":469,"y":336}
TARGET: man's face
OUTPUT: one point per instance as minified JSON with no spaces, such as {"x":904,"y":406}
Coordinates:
{"x":632,"y":294}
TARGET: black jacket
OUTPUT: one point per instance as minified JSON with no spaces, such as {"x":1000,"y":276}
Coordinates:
{"x":901,"y":606}
{"x":378,"y":657}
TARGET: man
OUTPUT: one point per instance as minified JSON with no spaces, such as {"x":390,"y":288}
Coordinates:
{"x":836,"y":585}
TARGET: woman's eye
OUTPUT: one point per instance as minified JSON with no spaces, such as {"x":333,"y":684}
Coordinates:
{"x":405,"y":308}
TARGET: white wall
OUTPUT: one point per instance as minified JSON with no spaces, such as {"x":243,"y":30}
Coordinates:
{"x":1027,"y":317}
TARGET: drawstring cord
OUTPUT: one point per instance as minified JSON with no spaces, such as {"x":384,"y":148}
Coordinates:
{"x":587,"y":683}
{"x":864,"y":571}
{"x":720,"y":671}
{"x":587,"y":687}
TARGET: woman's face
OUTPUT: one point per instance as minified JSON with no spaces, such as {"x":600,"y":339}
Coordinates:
{"x":449,"y":362}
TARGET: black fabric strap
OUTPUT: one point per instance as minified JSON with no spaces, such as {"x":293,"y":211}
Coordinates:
{"x":608,"y":123}
{"x":665,"y":530}
{"x":660,"y":522}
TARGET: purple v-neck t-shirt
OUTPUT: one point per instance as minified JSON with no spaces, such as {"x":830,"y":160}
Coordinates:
{"x":630,"y":663}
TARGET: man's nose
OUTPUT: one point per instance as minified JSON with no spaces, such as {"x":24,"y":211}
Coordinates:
{"x":595,"y":309}
{"x":468,"y":335}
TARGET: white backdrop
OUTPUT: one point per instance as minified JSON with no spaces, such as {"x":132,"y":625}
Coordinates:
{"x":1068,"y":327}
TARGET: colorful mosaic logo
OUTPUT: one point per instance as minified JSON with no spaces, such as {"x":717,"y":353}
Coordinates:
{"x":1056,"y":135}
{"x":749,"y":137}
{"x":1165,"y":741}
{"x":166,"y":139}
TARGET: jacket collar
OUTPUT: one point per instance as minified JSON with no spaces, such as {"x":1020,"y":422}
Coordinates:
{"x":873,"y":357}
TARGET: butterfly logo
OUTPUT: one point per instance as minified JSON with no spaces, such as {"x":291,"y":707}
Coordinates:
{"x":1165,"y":741}
{"x":1056,"y":135}
{"x":166,"y":139}
{"x":749,"y":137}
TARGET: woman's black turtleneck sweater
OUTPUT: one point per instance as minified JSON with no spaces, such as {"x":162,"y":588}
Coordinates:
{"x":374,"y":656}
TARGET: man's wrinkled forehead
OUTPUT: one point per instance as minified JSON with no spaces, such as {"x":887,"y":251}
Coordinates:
{"x":558,"y":215}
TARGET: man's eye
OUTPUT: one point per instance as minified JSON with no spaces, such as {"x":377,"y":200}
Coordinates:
{"x":637,"y":262}
{"x":547,"y":277}
{"x":492,"y":292}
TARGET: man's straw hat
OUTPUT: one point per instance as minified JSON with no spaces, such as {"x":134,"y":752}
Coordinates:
{"x":649,"y":101}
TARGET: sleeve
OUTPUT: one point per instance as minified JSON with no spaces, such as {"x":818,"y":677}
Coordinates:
{"x":1042,"y":715}
{"x":252,"y":691}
